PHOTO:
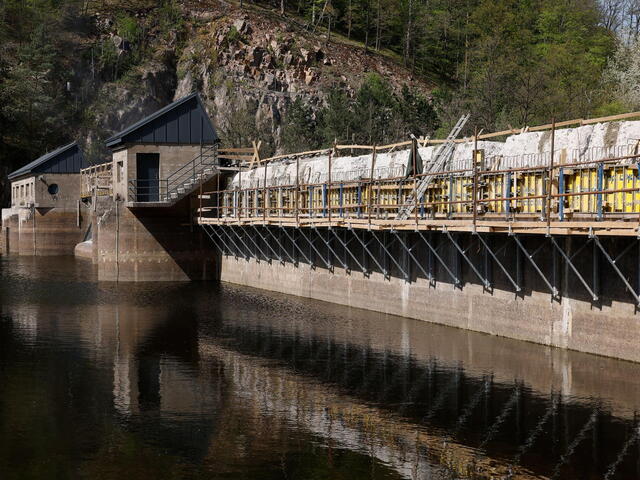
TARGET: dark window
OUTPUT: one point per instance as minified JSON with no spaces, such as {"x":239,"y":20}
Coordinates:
{"x":53,"y":189}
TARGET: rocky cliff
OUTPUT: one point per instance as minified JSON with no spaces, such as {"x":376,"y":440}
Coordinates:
{"x":248,"y":64}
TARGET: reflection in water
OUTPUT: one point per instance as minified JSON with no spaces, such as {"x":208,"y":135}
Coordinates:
{"x":193,"y":380}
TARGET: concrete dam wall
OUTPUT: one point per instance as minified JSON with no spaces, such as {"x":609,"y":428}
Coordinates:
{"x":551,"y":306}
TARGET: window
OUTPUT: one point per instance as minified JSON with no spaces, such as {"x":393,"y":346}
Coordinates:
{"x":53,"y":189}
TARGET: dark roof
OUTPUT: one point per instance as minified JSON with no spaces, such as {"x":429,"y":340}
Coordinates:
{"x":66,"y":159}
{"x":184,"y":121}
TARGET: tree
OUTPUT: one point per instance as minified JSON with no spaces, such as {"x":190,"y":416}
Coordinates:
{"x":622,"y":75}
{"x":299,"y":131}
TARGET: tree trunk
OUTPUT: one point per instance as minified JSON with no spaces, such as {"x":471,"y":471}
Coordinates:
{"x":349,"y":20}
{"x":378,"y":25}
{"x":367,"y":27}
{"x":407,"y":46}
{"x":281,"y":7}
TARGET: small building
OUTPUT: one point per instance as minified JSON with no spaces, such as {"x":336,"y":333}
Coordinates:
{"x":44,"y":218}
{"x":142,"y":218}
{"x":155,"y":158}
{"x":50,"y":181}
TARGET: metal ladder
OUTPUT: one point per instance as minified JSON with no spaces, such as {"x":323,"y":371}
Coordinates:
{"x":440,"y":159}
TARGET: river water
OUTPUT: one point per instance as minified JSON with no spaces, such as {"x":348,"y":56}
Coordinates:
{"x":100,"y":380}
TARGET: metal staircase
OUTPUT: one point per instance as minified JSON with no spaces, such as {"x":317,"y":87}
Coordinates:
{"x":199,"y":170}
{"x":440,"y":159}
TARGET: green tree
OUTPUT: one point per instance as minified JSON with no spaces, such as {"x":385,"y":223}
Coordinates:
{"x":300,"y":127}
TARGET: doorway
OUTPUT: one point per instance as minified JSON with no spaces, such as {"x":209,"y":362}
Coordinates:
{"x":148,"y":177}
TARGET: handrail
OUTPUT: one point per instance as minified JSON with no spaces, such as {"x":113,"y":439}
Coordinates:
{"x":517,"y":200}
{"x":190,"y":165}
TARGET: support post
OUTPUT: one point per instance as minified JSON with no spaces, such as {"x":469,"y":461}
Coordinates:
{"x":414,"y":154}
{"x":550,"y":174}
{"x":265,"y":195}
{"x":507,"y":195}
{"x":600,"y":186}
{"x":370,"y":199}
{"x":475,"y":179}
{"x":328,"y":195}
{"x":297,"y":195}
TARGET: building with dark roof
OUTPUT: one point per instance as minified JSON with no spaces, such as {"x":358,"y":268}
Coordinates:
{"x":51,"y":180}
{"x":45,"y":216}
{"x":183,"y":122}
{"x":155,"y":157}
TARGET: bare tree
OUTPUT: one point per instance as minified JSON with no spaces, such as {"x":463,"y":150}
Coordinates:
{"x":612,"y":13}
{"x":408,"y":34}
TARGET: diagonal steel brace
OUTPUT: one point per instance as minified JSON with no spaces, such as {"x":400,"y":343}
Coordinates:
{"x":456,"y":280}
{"x":613,"y":264}
{"x":295,"y":244}
{"x":266,"y":257}
{"x":346,"y":248}
{"x":214,"y":241}
{"x":498,"y":262}
{"x":241,"y":240}
{"x":390,"y":256}
{"x":314,"y":248}
{"x":280,"y":245}
{"x":277,"y":255}
{"x":554,"y":290}
{"x":366,"y":249}
{"x":567,"y":259}
{"x":326,"y":242}
{"x":484,"y":281}
{"x":413,"y":257}
{"x":240,"y":252}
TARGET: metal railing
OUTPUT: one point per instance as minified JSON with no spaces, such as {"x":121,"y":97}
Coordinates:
{"x":96,"y":180}
{"x":187,"y":175}
{"x":596,"y":189}
{"x":147,"y":190}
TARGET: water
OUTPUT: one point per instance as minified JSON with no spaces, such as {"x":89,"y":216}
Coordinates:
{"x":99,"y":380}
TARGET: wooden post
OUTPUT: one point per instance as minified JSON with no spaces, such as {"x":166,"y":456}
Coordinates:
{"x":239,"y":201}
{"x":475,"y":178}
{"x":218,"y":196}
{"x":329,"y":186}
{"x":264,"y":195}
{"x":370,"y":199}
{"x":414,"y":153}
{"x":297,"y":195}
{"x":550,"y":173}
{"x":200,"y":203}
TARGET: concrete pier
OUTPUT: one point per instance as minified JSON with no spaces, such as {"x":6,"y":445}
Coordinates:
{"x":151,"y":245}
{"x":43,"y":231}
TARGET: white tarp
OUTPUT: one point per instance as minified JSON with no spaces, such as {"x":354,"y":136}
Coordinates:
{"x":584,"y":143}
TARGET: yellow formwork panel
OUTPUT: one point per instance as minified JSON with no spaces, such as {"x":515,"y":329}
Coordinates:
{"x":621,"y":178}
{"x":492,"y":190}
{"x":580,"y":181}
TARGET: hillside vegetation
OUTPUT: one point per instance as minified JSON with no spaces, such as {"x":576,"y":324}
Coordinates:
{"x":298,"y":74}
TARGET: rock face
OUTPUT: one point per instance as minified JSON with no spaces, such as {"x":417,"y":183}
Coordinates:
{"x":250,"y":68}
